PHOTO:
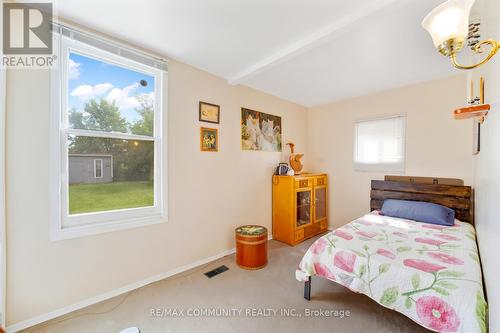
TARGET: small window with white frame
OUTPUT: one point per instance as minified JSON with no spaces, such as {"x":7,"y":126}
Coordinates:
{"x":108,"y":120}
{"x":379,"y":145}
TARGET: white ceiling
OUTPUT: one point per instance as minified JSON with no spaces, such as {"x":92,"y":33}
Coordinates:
{"x":307,"y":51}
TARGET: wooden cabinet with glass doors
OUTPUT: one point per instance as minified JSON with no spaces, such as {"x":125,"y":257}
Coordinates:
{"x":299,"y":207}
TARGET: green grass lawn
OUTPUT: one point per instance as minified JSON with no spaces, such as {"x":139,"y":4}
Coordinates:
{"x":86,"y":198}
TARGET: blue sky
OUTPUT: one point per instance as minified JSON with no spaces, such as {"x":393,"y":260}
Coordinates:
{"x":90,"y":78}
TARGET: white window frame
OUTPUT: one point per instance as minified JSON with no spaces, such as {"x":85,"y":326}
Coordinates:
{"x":3,"y":248}
{"x":95,"y":167}
{"x":64,"y":225}
{"x":398,"y":168}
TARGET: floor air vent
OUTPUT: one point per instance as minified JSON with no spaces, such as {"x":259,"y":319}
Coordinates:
{"x":216,"y":271}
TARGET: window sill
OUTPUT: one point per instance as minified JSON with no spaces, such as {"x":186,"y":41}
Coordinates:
{"x":64,"y":233}
{"x":381,"y":171}
{"x":397,"y":168}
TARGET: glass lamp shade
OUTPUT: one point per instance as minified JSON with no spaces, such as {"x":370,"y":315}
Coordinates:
{"x":449,"y":21}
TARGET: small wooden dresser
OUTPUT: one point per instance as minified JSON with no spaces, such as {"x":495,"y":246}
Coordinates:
{"x":299,"y":207}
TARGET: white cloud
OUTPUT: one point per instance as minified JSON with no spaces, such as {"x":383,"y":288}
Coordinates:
{"x":150,"y":96}
{"x":101,"y":88}
{"x":123,"y":98}
{"x":73,"y":70}
{"x":147,"y":97}
{"x":86,"y":91}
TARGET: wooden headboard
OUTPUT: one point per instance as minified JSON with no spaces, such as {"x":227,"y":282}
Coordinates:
{"x":458,"y":198}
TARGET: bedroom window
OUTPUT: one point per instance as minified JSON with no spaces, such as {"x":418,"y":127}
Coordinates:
{"x":379,"y":145}
{"x":108,"y":138}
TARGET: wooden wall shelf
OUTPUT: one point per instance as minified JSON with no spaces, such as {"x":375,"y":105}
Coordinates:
{"x":472,"y":111}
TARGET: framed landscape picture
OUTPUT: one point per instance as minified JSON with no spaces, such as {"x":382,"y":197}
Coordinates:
{"x":260,"y":131}
{"x":209,"y":139}
{"x":209,"y":113}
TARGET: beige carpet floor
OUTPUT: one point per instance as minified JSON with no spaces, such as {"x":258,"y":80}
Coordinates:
{"x":252,"y":292}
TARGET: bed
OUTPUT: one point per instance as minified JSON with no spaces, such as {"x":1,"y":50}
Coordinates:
{"x":430,"y":273}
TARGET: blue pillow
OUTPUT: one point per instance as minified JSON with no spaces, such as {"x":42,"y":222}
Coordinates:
{"x":419,"y":211}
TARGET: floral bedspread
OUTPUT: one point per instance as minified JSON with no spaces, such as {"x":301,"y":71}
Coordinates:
{"x":428,"y":272}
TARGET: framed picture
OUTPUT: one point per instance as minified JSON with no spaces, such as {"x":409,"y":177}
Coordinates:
{"x":209,"y":139}
{"x":209,"y":113}
{"x":260,"y":131}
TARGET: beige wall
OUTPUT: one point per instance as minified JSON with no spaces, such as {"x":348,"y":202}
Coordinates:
{"x":209,"y":194}
{"x":436,"y":145}
{"x":487,"y":168}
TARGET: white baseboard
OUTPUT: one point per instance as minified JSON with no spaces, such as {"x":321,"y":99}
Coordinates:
{"x":80,"y":305}
{"x":100,"y":298}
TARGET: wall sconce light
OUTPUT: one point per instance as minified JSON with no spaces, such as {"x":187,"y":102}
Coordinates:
{"x":448,"y":25}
